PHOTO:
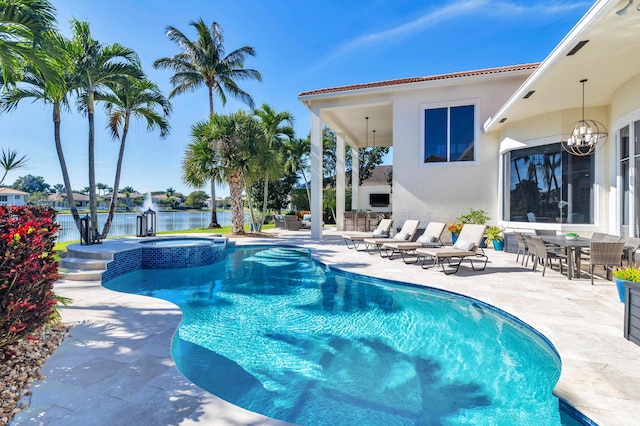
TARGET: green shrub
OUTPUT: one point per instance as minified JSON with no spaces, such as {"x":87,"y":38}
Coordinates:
{"x":478,"y":217}
{"x":27,"y":270}
{"x":630,"y":273}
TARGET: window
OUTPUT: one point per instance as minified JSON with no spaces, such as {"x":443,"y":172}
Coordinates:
{"x":3,"y":198}
{"x":449,"y":134}
{"x":546,"y":184}
{"x":629,"y":167}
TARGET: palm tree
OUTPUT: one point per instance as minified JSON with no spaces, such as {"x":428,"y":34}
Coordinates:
{"x":298,"y":152}
{"x":239,"y":142}
{"x":203,"y":62}
{"x":277,"y":128}
{"x":96,"y":66}
{"x":138,"y":98}
{"x":54,"y":92}
{"x":200,"y":164}
{"x":9,"y":161}
{"x":22,"y":26}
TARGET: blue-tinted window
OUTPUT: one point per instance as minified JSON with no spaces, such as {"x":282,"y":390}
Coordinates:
{"x":449,"y":134}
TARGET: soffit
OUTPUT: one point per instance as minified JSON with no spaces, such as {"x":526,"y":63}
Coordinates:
{"x":609,"y":59}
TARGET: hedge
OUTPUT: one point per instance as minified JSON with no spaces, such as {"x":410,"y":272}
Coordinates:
{"x":27,"y":270}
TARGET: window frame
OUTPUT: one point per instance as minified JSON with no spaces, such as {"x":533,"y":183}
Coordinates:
{"x":448,"y":105}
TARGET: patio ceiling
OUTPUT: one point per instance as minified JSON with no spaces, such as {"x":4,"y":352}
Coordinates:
{"x":350,"y":123}
{"x":609,"y":58}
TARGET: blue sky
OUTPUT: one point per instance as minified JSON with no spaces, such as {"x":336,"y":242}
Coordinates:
{"x":300,"y":46}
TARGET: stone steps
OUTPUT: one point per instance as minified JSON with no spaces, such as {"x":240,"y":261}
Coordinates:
{"x":84,"y":266}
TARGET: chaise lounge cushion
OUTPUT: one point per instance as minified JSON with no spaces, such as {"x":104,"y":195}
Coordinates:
{"x":402,"y":236}
{"x":427,"y":239}
{"x":464,"y":245}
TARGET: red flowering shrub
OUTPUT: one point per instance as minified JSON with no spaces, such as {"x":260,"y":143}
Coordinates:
{"x":27,"y":270}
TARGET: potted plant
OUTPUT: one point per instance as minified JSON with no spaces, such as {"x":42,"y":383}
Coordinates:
{"x":630,"y":273}
{"x":454,"y":228}
{"x":495,"y":235}
{"x":477,"y":217}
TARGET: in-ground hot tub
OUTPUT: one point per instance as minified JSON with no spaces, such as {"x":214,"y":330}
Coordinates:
{"x":181,"y":252}
{"x":167,"y":253}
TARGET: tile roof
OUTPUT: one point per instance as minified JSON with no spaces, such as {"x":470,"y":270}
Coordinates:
{"x":411,"y":80}
{"x":5,"y":190}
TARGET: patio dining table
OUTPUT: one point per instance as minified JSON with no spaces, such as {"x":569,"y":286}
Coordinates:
{"x":573,"y":249}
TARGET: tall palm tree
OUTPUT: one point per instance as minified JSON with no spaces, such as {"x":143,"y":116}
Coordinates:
{"x":203,"y":62}
{"x":201,"y":161}
{"x":22,"y":25}
{"x":96,"y":66}
{"x":298,"y":152}
{"x":54,"y":92}
{"x":137,"y":98}
{"x":277,"y":127}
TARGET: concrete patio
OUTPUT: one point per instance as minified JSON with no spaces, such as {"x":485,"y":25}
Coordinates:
{"x":116,"y":368}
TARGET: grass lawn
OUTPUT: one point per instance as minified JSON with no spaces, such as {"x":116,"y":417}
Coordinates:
{"x":225,"y":230}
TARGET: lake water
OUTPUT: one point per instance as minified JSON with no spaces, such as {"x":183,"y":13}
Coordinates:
{"x":124,"y":224}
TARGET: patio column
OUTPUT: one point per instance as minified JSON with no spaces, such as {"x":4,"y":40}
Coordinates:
{"x":316,"y":175}
{"x":340,"y":182}
{"x":355,"y":177}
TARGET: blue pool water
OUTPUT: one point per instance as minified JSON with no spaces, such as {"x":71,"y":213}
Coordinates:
{"x":273,"y":331}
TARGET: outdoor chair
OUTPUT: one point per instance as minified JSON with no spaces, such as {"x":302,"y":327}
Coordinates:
{"x":631,"y":245}
{"x":467,"y":247}
{"x":291,"y":222}
{"x":348,"y":221}
{"x":531,"y":248}
{"x":407,"y":233}
{"x":522,"y":247}
{"x":607,"y":254}
{"x":545,"y":254}
{"x":431,"y":237}
{"x":382,"y":231}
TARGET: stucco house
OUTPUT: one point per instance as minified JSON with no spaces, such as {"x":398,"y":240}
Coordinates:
{"x":12,"y":197}
{"x":493,"y":139}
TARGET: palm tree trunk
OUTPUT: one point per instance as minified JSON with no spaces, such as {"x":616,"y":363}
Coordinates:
{"x":214,"y":213}
{"x":265,"y":200}
{"x":210,"y":101}
{"x":306,"y":186}
{"x":237,"y":205}
{"x":116,"y":182}
{"x":63,"y":166}
{"x":251,"y":214}
{"x":93,"y":202}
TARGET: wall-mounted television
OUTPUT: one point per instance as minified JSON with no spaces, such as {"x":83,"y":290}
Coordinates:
{"x":379,"y":200}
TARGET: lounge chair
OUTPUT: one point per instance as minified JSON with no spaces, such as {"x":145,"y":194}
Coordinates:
{"x":382,"y":231}
{"x":407,"y":233}
{"x":430,"y":238}
{"x":467,"y":247}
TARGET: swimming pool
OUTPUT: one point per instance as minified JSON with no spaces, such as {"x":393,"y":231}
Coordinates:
{"x":273,"y":331}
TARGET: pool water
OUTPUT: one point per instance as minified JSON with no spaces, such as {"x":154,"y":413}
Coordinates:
{"x":273,"y":331}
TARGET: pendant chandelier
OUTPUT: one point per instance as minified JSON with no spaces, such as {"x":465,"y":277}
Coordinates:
{"x":586,"y":135}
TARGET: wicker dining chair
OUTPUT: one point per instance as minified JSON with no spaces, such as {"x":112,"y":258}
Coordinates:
{"x":546,"y":254}
{"x":522,"y":247}
{"x":531,"y":248}
{"x":607,"y":254}
{"x":631,"y":246}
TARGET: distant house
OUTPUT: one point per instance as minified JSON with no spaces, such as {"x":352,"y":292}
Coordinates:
{"x":375,"y":192}
{"x":12,"y":197}
{"x":59,"y":201}
{"x":219,"y":202}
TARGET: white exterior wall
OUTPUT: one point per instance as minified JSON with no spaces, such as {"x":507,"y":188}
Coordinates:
{"x":443,"y":191}
{"x":13,"y":200}
{"x":363,"y":198}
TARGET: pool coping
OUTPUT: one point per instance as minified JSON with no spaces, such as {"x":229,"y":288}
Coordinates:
{"x":601,"y":370}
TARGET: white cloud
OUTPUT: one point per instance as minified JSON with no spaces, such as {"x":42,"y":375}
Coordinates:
{"x":449,"y":12}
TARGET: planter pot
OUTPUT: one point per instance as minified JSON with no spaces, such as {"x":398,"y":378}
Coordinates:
{"x":483,"y":243}
{"x":454,"y":237}
{"x":620,"y":287}
{"x":498,"y":245}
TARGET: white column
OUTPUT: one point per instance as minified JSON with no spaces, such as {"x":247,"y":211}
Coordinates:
{"x":316,"y":175}
{"x":340,"y":182}
{"x":355,"y":177}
